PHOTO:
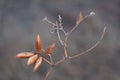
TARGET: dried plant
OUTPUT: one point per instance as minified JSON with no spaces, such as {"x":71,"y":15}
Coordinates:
{"x":36,"y":57}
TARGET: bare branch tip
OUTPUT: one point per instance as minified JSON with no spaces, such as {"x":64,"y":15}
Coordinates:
{"x":105,"y":28}
{"x":44,"y":19}
{"x":92,"y":13}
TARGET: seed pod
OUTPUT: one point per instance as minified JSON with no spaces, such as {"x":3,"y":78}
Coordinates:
{"x":49,"y":49}
{"x":37,"y":64}
{"x":38,"y":44}
{"x":24,"y":55}
{"x":32,"y":59}
{"x":80,"y":18}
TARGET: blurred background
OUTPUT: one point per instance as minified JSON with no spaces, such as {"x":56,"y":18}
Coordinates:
{"x":21,"y":21}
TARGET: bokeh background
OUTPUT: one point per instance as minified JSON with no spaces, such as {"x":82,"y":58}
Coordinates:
{"x":21,"y":21}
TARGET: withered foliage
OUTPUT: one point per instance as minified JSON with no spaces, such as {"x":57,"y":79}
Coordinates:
{"x":36,"y":57}
{"x":49,"y":49}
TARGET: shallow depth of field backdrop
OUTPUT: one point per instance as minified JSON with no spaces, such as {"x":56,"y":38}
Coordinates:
{"x":21,"y":21}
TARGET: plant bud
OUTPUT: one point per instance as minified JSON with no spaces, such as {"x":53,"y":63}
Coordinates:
{"x":49,"y":49}
{"x":38,"y":63}
{"x":24,"y":55}
{"x":32,"y":59}
{"x":80,"y":18}
{"x":38,"y":44}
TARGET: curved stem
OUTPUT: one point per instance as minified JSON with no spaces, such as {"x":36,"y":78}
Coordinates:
{"x":92,"y":46}
{"x":51,"y":59}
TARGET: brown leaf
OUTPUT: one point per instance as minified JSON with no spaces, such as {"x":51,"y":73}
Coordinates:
{"x":38,"y":44}
{"x":32,"y":59}
{"x":80,"y":18}
{"x":38,"y":63}
{"x":49,"y":49}
{"x":24,"y":55}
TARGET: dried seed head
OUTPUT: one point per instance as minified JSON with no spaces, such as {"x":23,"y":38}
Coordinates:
{"x":49,"y":49}
{"x":32,"y":59}
{"x":37,"y":64}
{"x":79,"y":19}
{"x":38,"y":44}
{"x":24,"y":55}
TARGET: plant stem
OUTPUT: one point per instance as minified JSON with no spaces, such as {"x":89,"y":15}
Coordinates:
{"x":60,"y":61}
{"x":47,"y":74}
{"x":47,"y":61}
{"x":88,"y":50}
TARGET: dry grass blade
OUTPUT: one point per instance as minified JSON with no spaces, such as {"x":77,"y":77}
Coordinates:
{"x":32,"y":59}
{"x":49,"y":49}
{"x":24,"y":55}
{"x":79,"y":19}
{"x":38,"y":44}
{"x":38,"y":63}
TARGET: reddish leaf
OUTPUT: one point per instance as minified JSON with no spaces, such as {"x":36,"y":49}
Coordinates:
{"x":24,"y":55}
{"x":32,"y":59}
{"x":80,"y":18}
{"x":38,"y":44}
{"x":38,"y":63}
{"x":49,"y":49}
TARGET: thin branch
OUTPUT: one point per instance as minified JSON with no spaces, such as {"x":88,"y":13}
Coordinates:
{"x":51,"y":59}
{"x":47,"y":61}
{"x":45,"y":19}
{"x":58,"y":33}
{"x":47,"y":74}
{"x":65,"y":47}
{"x":91,"y":14}
{"x":60,"y":61}
{"x":64,"y":31}
{"x":88,"y":50}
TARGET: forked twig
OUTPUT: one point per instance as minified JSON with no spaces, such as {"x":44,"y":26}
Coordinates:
{"x":83,"y":18}
{"x":86,"y":51}
{"x":37,"y":58}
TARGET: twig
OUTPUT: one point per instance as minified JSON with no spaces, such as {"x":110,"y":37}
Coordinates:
{"x":88,"y":50}
{"x":58,"y":33}
{"x":47,"y":61}
{"x":59,"y":27}
{"x":60,"y":61}
{"x":47,"y":74}
{"x":45,"y":19}
{"x":65,"y":47}
{"x":91,"y":14}
{"x":51,"y":59}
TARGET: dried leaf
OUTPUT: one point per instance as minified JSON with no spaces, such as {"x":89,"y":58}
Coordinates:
{"x":49,"y":49}
{"x":38,"y":63}
{"x":24,"y":55}
{"x":38,"y":44}
{"x":32,"y":59}
{"x":79,"y":18}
